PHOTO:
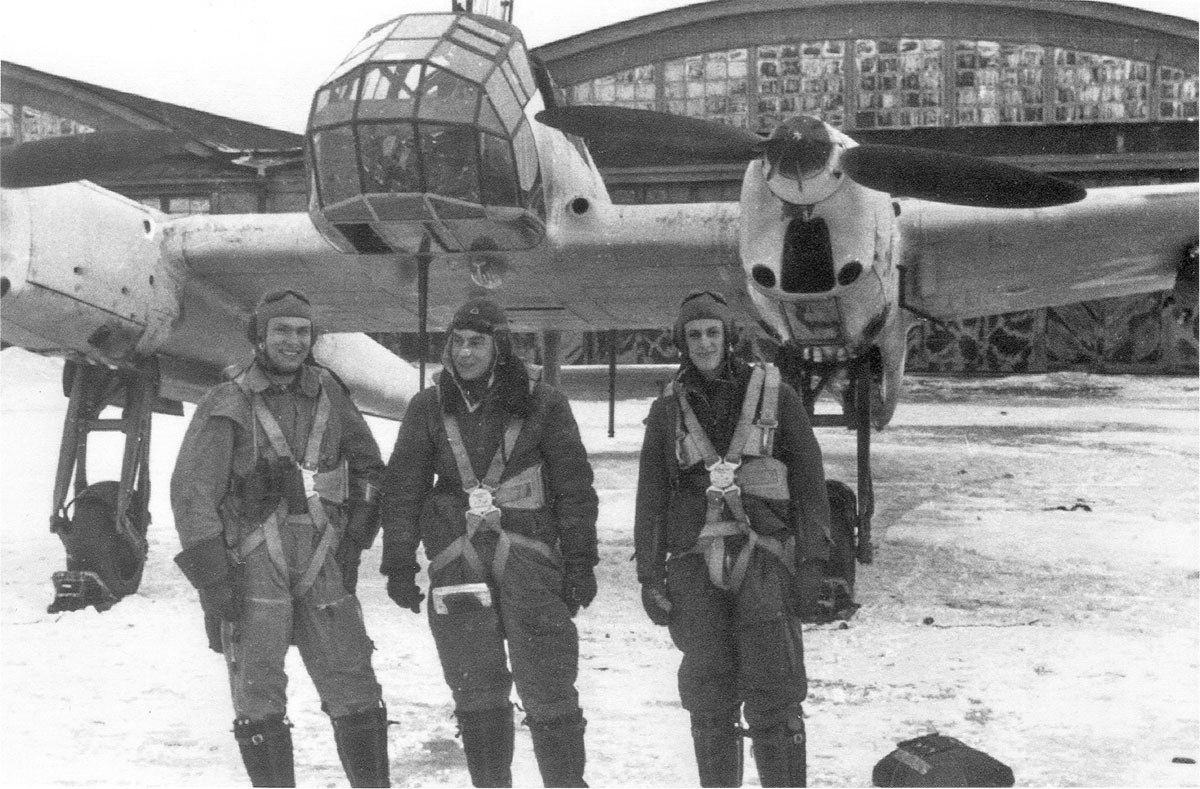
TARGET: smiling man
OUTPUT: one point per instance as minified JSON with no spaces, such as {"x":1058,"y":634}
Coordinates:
{"x":490,"y":473}
{"x":730,"y":503}
{"x":274,"y":500}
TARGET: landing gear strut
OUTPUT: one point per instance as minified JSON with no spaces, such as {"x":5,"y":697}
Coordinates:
{"x":850,"y":518}
{"x":103,"y":526}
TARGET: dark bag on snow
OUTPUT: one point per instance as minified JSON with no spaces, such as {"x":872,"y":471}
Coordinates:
{"x":937,"y":760}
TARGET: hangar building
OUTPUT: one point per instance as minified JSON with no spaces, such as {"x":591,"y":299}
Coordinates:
{"x":1097,"y":93}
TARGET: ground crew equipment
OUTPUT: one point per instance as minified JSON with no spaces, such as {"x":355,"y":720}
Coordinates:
{"x":938,"y":760}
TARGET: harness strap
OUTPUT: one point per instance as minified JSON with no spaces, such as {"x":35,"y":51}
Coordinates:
{"x":487,"y":520}
{"x":495,"y":470}
{"x":763,"y":387}
{"x":320,"y":519}
{"x":737,"y":444}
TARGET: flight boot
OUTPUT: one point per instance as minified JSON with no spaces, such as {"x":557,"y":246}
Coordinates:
{"x":487,"y":737}
{"x":266,"y":747}
{"x":362,"y":745}
{"x":558,"y":746}
{"x":780,"y":752}
{"x":717,"y":740}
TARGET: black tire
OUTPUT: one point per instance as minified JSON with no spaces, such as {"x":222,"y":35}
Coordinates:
{"x":93,"y":544}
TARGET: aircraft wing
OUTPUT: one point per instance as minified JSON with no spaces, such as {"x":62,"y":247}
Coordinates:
{"x":968,"y":262}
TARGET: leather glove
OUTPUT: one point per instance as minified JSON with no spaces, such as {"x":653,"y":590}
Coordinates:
{"x":220,"y":602}
{"x":657,"y":603}
{"x":348,"y":555}
{"x":579,"y":584}
{"x":403,"y":590}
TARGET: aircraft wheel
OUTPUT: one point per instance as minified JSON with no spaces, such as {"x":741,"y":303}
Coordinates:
{"x":93,"y":544}
{"x":827,"y":588}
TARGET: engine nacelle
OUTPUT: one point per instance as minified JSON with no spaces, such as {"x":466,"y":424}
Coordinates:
{"x":83,"y":273}
{"x":421,"y":141}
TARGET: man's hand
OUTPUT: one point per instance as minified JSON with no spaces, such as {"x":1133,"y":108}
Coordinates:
{"x":220,"y":602}
{"x":579,"y":584}
{"x":402,"y":588}
{"x":348,"y":555}
{"x":657,"y":603}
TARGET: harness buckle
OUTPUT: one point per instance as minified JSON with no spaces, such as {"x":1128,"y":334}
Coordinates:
{"x":479,"y":501}
{"x":309,"y":475}
{"x":721,"y":477}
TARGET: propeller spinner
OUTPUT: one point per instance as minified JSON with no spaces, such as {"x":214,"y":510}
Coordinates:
{"x":802,"y":148}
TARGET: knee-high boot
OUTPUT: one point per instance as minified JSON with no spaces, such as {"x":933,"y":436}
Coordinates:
{"x":362,"y":745}
{"x":718,"y":744}
{"x":487,"y":737}
{"x":780,"y":752}
{"x":266,"y":747}
{"x":558,"y":746}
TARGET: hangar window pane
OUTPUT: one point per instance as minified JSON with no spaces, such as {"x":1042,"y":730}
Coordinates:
{"x":998,"y":82}
{"x":1177,"y":94}
{"x":634,"y":88}
{"x":1091,"y":87}
{"x":804,"y":77}
{"x":712,"y":85}
{"x":189,"y":205}
{"x":900,"y":83}
{"x":8,"y":129}
{"x":38,"y":124}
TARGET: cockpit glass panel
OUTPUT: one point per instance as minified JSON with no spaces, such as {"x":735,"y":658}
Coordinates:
{"x":449,"y":159}
{"x":526,"y":154}
{"x":389,"y":90}
{"x":461,"y":61}
{"x":423,"y":26}
{"x":337,"y":171}
{"x":445,"y":96}
{"x":519,"y":59}
{"x":497,"y":171}
{"x":369,"y":42}
{"x":335,"y":103}
{"x":481,"y":29}
{"x":484,"y":45}
{"x":514,"y":83}
{"x":409,"y":49}
{"x":389,"y":157}
{"x":506,"y":103}
{"x":488,"y":118}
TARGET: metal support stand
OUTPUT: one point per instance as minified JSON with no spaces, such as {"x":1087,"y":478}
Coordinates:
{"x":860,"y":373}
{"x":106,"y":547}
{"x":612,"y":382}
{"x":551,"y":363}
{"x":423,"y":258}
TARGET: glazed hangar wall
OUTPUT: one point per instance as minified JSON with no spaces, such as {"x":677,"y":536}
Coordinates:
{"x":1078,"y":47}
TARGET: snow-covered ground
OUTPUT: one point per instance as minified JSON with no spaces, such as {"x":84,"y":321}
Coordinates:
{"x":1065,"y":642}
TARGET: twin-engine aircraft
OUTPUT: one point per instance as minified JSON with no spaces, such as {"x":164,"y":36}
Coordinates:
{"x":442,"y":165}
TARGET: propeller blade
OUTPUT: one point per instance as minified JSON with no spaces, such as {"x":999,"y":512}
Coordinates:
{"x":954,"y":178}
{"x":58,"y":160}
{"x":654,"y":136}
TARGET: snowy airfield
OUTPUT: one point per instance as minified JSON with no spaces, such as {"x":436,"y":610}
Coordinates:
{"x":1063,"y":641}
